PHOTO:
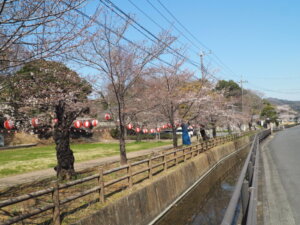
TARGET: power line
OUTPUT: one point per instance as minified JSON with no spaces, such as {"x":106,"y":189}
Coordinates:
{"x":157,"y":24}
{"x":220,"y":62}
{"x":121,"y":36}
{"x":162,"y":15}
{"x":128,"y":40}
{"x":146,"y":30}
{"x":171,"y":14}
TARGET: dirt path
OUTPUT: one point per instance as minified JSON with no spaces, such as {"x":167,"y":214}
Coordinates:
{"x":42,"y":174}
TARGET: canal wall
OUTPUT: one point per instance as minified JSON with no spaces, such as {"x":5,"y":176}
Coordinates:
{"x":145,"y":203}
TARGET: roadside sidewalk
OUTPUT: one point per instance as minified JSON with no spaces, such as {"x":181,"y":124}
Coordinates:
{"x":273,"y":205}
{"x":43,"y":174}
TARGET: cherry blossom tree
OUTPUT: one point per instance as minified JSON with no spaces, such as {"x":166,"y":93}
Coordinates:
{"x":52,"y":88}
{"x":33,"y":29}
{"x":120,"y":64}
{"x":176,"y":94}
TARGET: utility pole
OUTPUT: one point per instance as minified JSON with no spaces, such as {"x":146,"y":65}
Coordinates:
{"x":203,"y":70}
{"x":241,"y":82}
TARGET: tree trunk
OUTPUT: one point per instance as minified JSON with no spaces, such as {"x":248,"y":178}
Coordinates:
{"x":123,"y":157}
{"x":61,"y":136}
{"x":214,"y":131}
{"x":240,"y":127}
{"x":203,"y":134}
{"x":138,"y":137}
{"x":250,"y":125}
{"x":173,"y":127}
{"x":229,"y":129}
{"x":175,"y":139}
{"x":64,"y":155}
{"x":121,"y":107}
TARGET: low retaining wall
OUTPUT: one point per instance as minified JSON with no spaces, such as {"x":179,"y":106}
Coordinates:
{"x":142,"y":205}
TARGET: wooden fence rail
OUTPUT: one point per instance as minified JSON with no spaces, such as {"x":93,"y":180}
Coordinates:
{"x":151,"y":167}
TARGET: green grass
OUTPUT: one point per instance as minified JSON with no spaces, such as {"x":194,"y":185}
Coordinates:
{"x":19,"y":161}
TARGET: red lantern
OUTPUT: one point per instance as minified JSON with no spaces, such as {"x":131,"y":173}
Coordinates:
{"x":158,"y":129}
{"x":77,"y":124}
{"x":145,"y":131}
{"x":107,"y":116}
{"x":55,"y":120}
{"x":86,"y":124}
{"x":8,"y":124}
{"x":138,"y":130}
{"x":34,"y":122}
{"x":129,"y":126}
{"x":94,"y":123}
{"x":152,"y":131}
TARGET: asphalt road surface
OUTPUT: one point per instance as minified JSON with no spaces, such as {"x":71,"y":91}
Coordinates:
{"x":281,"y":177}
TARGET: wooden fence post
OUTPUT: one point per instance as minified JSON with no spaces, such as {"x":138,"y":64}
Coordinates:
{"x":101,"y":185}
{"x":175,"y":156}
{"x":55,"y":199}
{"x":150,"y":168}
{"x":165,"y":163}
{"x":129,"y":170}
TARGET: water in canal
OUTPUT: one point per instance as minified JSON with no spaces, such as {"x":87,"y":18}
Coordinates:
{"x":207,"y":202}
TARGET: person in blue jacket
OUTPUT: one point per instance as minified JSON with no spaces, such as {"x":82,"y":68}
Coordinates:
{"x":185,"y":134}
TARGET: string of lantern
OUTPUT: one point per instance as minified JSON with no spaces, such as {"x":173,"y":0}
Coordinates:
{"x":10,"y":127}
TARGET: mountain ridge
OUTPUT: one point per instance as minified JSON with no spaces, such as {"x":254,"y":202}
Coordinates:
{"x":295,"y":105}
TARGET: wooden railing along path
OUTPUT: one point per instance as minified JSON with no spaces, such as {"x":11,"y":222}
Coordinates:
{"x":122,"y":177}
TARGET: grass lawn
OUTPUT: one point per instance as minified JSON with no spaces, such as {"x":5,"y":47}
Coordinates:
{"x":36,"y":158}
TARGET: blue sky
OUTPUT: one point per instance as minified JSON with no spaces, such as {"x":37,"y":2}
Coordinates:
{"x":256,"y":39}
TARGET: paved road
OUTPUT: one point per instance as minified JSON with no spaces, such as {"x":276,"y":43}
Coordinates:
{"x":281,"y":177}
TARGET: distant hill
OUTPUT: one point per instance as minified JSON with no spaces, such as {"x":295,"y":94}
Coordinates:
{"x":295,"y":105}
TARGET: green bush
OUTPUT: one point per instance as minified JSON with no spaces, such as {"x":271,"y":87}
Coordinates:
{"x":133,"y":136}
{"x":168,"y":136}
{"x":114,"y":133}
{"x":163,"y":136}
{"x":141,"y":137}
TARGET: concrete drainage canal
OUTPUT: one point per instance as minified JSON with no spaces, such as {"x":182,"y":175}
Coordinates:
{"x":206,"y":203}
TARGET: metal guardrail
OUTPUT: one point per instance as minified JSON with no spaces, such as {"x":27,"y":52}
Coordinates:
{"x":242,"y":205}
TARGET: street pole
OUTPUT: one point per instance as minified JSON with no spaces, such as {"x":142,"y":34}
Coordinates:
{"x":202,"y":66}
{"x":203,"y":70}
{"x":241,"y":82}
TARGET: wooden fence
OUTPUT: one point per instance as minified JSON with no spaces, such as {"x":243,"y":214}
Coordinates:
{"x":129,"y":175}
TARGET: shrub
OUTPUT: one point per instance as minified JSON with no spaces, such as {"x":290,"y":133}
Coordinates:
{"x":115,"y":133}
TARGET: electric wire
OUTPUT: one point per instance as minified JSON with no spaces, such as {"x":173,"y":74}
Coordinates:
{"x":220,"y":62}
{"x":121,"y":36}
{"x":157,"y":24}
{"x":146,"y":30}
